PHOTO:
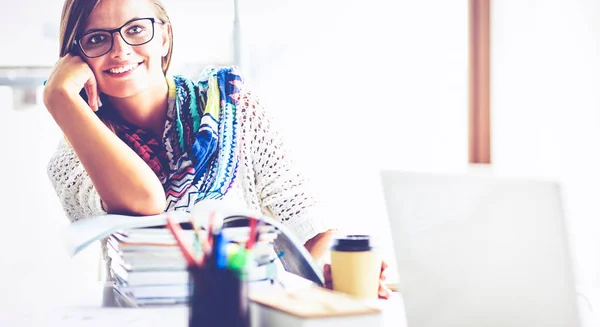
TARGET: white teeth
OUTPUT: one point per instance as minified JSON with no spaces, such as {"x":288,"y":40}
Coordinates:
{"x":120,"y":70}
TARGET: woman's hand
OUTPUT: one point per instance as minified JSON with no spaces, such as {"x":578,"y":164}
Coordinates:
{"x":69,"y":76}
{"x":384,"y":291}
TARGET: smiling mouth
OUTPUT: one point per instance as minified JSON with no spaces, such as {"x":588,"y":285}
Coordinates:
{"x":123,"y":69}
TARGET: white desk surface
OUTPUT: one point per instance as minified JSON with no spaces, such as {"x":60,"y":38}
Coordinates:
{"x":93,"y":305}
{"x":89,"y":305}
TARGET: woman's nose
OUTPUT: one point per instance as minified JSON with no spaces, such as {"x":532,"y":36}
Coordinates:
{"x":120,"y":48}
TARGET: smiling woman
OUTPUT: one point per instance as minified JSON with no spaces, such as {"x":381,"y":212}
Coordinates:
{"x":144,"y":42}
{"x":140,"y":142}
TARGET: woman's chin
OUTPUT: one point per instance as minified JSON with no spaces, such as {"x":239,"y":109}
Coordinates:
{"x":122,"y":93}
{"x":127,"y":88}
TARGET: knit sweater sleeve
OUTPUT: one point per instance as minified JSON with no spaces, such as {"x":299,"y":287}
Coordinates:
{"x":72,"y":184}
{"x":283,"y":191}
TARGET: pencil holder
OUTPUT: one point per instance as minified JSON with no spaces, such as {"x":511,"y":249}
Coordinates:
{"x":219,"y":297}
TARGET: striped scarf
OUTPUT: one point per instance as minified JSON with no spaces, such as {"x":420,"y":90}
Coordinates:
{"x":198,"y":157}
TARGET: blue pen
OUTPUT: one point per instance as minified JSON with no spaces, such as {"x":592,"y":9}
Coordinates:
{"x":221,"y":251}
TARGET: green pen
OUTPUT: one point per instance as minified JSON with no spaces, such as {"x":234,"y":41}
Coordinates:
{"x":239,"y":261}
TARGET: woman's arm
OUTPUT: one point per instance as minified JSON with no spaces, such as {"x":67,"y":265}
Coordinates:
{"x":73,"y":186}
{"x":318,"y":246}
{"x":125,"y":183}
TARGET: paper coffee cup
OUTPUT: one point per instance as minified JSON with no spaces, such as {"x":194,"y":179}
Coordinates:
{"x":355,"y":266}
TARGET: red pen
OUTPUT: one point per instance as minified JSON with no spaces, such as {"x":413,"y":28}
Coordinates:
{"x":211,"y":226}
{"x":187,"y":254}
{"x":252,"y":236}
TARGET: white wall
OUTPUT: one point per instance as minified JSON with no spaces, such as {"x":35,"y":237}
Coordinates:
{"x":203,"y":34}
{"x":361,"y":85}
{"x":29,"y":34}
{"x":32,"y":256}
{"x":545,"y":107}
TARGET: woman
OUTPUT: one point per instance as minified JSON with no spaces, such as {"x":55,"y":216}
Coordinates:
{"x":140,"y":143}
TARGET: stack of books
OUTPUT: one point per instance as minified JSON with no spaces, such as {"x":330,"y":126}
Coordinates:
{"x":147,"y":266}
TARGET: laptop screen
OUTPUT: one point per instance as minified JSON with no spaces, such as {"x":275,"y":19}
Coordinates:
{"x":480,"y":250}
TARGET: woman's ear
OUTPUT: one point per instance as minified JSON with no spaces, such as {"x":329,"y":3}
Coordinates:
{"x":166,"y":37}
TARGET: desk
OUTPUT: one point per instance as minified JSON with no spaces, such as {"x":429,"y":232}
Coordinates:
{"x":95,"y":305}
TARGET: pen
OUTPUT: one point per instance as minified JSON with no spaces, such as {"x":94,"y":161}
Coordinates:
{"x":197,"y":246}
{"x":253,"y":234}
{"x":238,"y":260}
{"x":261,"y":223}
{"x":187,"y":254}
{"x":211,"y":226}
{"x":200,"y":242}
{"x":272,"y":260}
{"x":220,"y":247}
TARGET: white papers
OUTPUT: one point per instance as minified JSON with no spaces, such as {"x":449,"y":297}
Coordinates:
{"x":79,"y":234}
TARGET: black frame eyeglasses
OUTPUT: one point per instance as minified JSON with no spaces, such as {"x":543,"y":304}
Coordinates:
{"x":97,"y":43}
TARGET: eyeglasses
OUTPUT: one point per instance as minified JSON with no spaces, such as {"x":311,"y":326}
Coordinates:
{"x":97,"y":43}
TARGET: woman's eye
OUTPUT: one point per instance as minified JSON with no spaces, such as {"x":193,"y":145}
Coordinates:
{"x":135,"y":30}
{"x":95,"y":39}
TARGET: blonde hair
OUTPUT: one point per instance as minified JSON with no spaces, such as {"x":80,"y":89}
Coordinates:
{"x":73,"y":20}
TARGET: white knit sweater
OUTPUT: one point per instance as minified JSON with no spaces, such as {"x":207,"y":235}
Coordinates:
{"x":266,"y":182}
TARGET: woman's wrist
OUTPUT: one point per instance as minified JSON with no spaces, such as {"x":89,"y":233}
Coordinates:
{"x":56,"y":99}
{"x":318,"y":246}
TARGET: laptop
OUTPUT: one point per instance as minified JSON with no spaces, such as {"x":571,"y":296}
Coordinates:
{"x":480,"y":251}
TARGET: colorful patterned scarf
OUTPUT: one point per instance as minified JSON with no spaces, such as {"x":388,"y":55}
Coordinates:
{"x":198,"y":157}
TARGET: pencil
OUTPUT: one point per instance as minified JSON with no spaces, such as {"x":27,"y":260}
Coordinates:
{"x":187,"y":254}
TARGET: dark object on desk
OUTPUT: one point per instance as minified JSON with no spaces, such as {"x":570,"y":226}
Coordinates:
{"x":219,"y":297}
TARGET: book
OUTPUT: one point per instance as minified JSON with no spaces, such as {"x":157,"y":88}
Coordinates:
{"x":148,"y":268}
{"x":147,"y":265}
{"x":146,"y":260}
{"x":313,"y":306}
{"x":80,"y":234}
{"x":126,"y":298}
{"x":149,"y":277}
{"x":157,"y":291}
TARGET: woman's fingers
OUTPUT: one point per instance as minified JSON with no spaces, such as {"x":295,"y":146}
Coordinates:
{"x":91,"y":89}
{"x":384,"y":291}
{"x":384,"y":266}
{"x":71,"y":74}
{"x":327,"y":276}
{"x":82,"y":74}
{"x":88,"y":92}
